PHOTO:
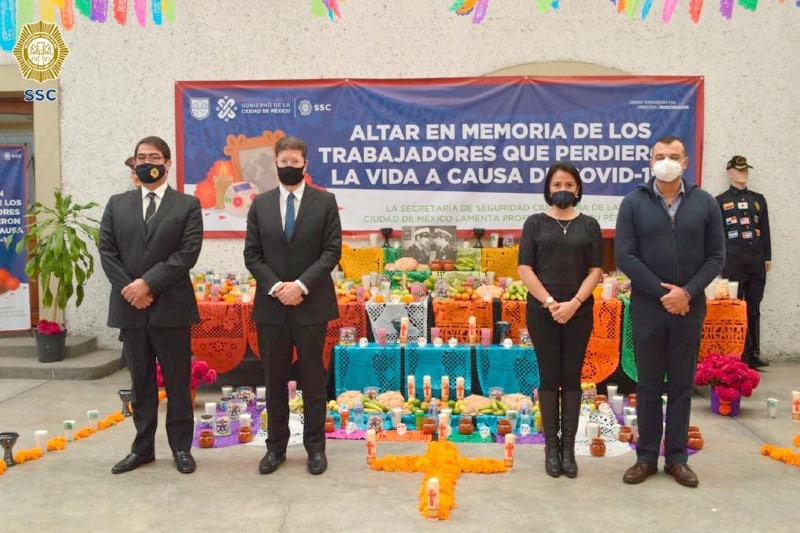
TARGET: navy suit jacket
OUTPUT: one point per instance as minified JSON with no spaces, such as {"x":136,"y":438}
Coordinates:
{"x":163,"y":258}
{"x":310,"y":256}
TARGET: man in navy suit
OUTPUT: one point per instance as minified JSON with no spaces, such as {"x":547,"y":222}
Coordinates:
{"x":293,"y":243}
{"x":149,"y":239}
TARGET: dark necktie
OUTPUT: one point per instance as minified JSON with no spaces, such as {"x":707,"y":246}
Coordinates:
{"x":151,"y":210}
{"x":288,"y":226}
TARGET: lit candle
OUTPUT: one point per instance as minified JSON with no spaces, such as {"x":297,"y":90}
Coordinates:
{"x":426,"y":388}
{"x":508,"y":450}
{"x":445,"y":389}
{"x":411,"y":387}
{"x":371,"y":446}
{"x":403,"y":337}
{"x":472,"y":333}
{"x":433,"y":498}
{"x":459,"y":388}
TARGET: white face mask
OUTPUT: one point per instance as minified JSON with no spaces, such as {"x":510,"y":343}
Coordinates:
{"x":667,"y":170}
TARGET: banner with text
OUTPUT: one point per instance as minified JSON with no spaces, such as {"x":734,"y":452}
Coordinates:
{"x":15,"y":309}
{"x":468,"y":153}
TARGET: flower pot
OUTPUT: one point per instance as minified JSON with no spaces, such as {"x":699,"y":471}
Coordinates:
{"x":51,"y":348}
{"x":721,"y":407}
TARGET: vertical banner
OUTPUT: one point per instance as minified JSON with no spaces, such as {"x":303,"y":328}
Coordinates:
{"x":464,"y":152}
{"x":15,"y":310}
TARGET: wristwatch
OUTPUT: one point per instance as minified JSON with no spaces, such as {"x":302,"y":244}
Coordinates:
{"x":548,"y":302}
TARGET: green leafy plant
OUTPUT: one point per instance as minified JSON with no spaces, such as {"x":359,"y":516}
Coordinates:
{"x":58,"y":249}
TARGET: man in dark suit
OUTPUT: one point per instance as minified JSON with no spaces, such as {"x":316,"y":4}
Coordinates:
{"x":149,"y":239}
{"x":293,"y":243}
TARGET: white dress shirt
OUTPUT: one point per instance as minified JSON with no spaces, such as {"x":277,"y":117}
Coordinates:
{"x":160,"y":190}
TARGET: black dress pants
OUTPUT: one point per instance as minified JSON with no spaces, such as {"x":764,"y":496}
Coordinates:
{"x":749,"y":270}
{"x":172,"y":347}
{"x":665,"y":344}
{"x":560,"y":348}
{"x":275,"y":344}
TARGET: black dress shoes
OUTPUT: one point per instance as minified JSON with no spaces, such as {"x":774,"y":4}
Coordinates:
{"x":756,"y":362}
{"x":270,"y":462}
{"x":317,"y":463}
{"x":184,"y":462}
{"x":132,"y":462}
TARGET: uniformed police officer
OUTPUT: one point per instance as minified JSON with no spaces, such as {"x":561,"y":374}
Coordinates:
{"x":420,"y":248}
{"x":748,"y":251}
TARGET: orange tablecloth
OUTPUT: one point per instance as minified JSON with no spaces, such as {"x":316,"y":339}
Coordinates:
{"x":226,"y":330}
{"x":602,"y":353}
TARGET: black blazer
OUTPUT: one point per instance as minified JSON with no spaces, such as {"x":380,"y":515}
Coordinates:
{"x":162,"y":259}
{"x":310,"y":256}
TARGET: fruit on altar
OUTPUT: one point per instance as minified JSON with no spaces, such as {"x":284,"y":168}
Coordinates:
{"x":437,"y":266}
{"x":448,"y":265}
{"x":473,"y":403}
{"x":465,"y":259}
{"x":495,"y":407}
{"x":296,"y":405}
{"x":516,"y":291}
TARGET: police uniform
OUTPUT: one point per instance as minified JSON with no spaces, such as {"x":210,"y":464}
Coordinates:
{"x":746,"y":224}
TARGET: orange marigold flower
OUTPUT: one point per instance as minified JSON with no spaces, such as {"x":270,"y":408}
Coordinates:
{"x":56,"y":443}
{"x":3,"y":467}
{"x":796,"y":440}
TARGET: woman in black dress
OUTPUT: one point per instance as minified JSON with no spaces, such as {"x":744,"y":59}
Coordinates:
{"x":560,"y":261}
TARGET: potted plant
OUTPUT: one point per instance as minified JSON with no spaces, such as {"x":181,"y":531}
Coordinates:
{"x":58,"y":254}
{"x":729,"y":379}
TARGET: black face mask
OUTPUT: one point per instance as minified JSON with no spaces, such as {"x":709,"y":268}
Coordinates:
{"x":150,"y":173}
{"x":290,"y":175}
{"x":563,"y":199}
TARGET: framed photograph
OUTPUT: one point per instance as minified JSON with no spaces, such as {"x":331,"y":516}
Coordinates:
{"x":254,"y":158}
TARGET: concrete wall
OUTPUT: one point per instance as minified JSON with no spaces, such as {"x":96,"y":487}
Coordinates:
{"x":117,"y":86}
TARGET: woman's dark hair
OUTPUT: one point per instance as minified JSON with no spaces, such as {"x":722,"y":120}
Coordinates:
{"x":570,"y":169}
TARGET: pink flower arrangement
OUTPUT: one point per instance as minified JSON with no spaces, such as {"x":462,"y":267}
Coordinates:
{"x":730,"y":377}
{"x":45,"y":327}
{"x":200,"y":373}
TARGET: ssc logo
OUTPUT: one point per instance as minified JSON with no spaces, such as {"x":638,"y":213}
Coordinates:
{"x":305,"y":107}
{"x":40,"y":51}
{"x":6,"y":156}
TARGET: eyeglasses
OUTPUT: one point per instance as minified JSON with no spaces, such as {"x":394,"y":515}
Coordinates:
{"x":150,"y":158}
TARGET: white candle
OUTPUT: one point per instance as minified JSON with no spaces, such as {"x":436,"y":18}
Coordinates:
{"x":611,"y":390}
{"x":433,"y":498}
{"x":426,"y":388}
{"x":445,"y":388}
{"x":227,"y":390}
{"x":40,"y":436}
{"x":508,"y":450}
{"x":261,"y":393}
{"x":459,"y":388}
{"x":616,"y":403}
{"x":411,"y":387}
{"x":211,"y":408}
